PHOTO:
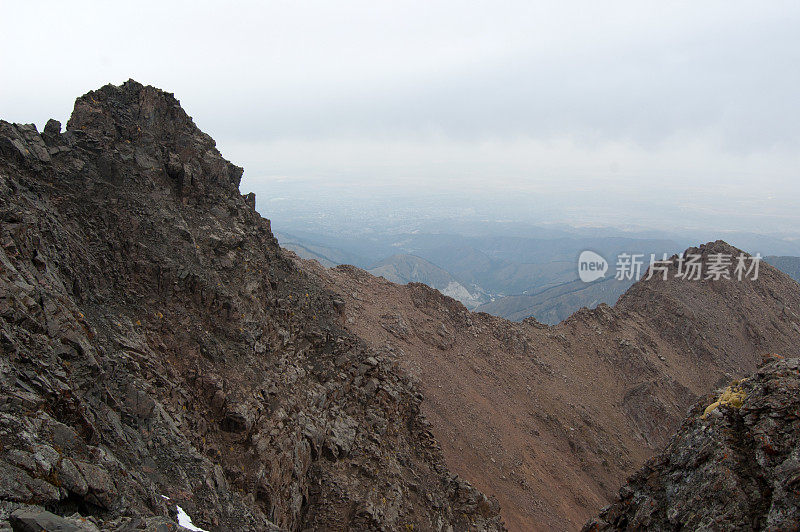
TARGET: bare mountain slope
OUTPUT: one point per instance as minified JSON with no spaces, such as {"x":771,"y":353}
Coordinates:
{"x":155,"y":341}
{"x":551,"y":419}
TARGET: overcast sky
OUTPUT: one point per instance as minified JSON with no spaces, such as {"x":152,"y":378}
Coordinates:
{"x":688,"y":108}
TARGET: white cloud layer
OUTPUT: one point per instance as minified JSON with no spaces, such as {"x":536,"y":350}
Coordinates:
{"x":679,"y":107}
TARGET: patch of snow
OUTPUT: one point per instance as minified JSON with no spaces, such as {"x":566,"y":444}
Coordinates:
{"x":186,"y":522}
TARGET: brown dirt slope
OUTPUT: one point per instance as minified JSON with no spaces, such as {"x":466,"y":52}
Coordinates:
{"x":551,"y":419}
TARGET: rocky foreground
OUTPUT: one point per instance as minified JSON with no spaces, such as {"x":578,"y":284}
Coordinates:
{"x":734,"y":464}
{"x":158,"y":350}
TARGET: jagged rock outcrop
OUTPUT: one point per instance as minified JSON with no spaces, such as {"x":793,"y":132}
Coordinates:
{"x":733,"y":465}
{"x":156,"y":343}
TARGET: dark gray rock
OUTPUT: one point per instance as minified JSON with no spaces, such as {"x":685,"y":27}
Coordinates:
{"x":52,"y":129}
{"x":730,"y":467}
{"x":29,"y":520}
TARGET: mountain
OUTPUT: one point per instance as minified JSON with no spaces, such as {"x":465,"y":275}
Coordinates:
{"x":325,"y":255}
{"x":404,"y":268}
{"x":503,"y":265}
{"x":161,"y":356}
{"x":552,"y":419}
{"x":732,"y":465}
{"x":788,"y":265}
{"x":311,"y":254}
{"x":555,"y":304}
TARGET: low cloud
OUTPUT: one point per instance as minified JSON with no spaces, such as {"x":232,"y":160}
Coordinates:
{"x":687,"y":106}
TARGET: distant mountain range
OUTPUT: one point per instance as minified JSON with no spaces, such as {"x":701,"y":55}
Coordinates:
{"x":508,"y":276}
{"x":788,"y":265}
{"x":552,"y":305}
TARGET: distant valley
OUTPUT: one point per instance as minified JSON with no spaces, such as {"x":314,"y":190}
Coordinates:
{"x":788,"y":265}
{"x":512,"y":277}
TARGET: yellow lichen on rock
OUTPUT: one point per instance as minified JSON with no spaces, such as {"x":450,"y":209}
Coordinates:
{"x":710,"y":408}
{"x":732,"y":396}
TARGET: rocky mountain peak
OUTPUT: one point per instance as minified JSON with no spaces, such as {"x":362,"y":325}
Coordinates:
{"x":158,"y":355}
{"x":149,"y":125}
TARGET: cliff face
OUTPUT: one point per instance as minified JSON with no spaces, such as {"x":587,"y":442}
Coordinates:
{"x":156,"y":342}
{"x":733,"y":465}
{"x":552,"y":419}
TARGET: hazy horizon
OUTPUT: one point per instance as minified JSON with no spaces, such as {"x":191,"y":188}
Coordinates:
{"x":629,"y":114}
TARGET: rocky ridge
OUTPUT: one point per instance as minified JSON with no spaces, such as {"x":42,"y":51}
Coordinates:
{"x":553,"y":419}
{"x":155,"y":342}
